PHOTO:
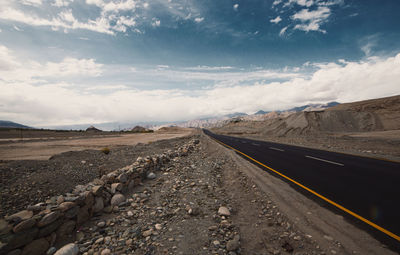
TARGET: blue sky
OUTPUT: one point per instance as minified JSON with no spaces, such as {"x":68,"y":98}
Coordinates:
{"x":92,"y":61}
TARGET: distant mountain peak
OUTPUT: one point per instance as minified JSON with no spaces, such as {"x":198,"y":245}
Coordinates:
{"x":10,"y":124}
{"x":261,"y":112}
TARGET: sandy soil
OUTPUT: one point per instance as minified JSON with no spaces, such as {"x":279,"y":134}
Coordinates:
{"x":43,"y":148}
{"x":267,"y":213}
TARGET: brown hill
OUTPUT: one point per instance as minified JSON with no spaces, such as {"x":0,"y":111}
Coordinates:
{"x":92,"y":129}
{"x":364,"y":116}
{"x":386,"y":111}
{"x":139,"y":129}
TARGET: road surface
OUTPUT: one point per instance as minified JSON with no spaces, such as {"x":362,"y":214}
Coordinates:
{"x":364,"y":189}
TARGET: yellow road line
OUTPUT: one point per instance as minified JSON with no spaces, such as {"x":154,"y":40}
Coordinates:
{"x":387,"y":232}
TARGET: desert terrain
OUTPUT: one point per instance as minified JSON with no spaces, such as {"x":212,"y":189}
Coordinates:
{"x":41,"y":145}
{"x":187,"y":194}
{"x":369,"y":128}
{"x":204,"y":199}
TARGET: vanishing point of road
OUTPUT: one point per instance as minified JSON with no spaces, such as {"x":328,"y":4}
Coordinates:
{"x":366,"y":190}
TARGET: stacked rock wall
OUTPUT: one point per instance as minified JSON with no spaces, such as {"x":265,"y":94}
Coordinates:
{"x":36,"y":229}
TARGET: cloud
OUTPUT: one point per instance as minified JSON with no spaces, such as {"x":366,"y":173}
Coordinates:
{"x":65,"y":20}
{"x":62,"y":3}
{"x":276,"y":20}
{"x":31,"y":2}
{"x":30,"y":97}
{"x":235,"y":7}
{"x":306,"y":15}
{"x":312,"y":20}
{"x":106,"y":16}
{"x":209,"y":68}
{"x":156,"y":22}
{"x":306,"y":3}
{"x":7,"y":60}
{"x":71,"y":66}
{"x":369,"y":43}
{"x":283,"y":31}
{"x":199,"y":19}
{"x":314,"y":14}
{"x":12,"y":70}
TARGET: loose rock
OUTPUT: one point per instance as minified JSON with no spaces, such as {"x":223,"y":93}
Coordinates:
{"x":69,"y":249}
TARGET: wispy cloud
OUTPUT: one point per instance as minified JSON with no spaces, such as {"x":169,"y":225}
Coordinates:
{"x":31,"y":2}
{"x":65,"y":20}
{"x":114,"y":16}
{"x":311,"y":17}
{"x":61,"y":3}
{"x":312,"y":20}
{"x":283,"y":31}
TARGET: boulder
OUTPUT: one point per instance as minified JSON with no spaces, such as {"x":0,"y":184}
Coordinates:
{"x":89,"y":198}
{"x":69,"y":249}
{"x":20,"y":239}
{"x":98,"y":190}
{"x":24,"y":225}
{"x":66,"y":228}
{"x":37,"y":247}
{"x":4,"y":227}
{"x":223,"y":211}
{"x":116,"y":187}
{"x":98,"y":204}
{"x":71,"y":213}
{"x":151,"y":176}
{"x":233,"y":245}
{"x":19,"y":216}
{"x":83,"y":215}
{"x":117,"y":199}
{"x":48,"y":229}
{"x":123,"y":178}
{"x":15,"y":252}
{"x":66,"y":206}
{"x":48,"y":218}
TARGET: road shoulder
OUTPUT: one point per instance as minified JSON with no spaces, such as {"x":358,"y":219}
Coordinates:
{"x":331,"y":231}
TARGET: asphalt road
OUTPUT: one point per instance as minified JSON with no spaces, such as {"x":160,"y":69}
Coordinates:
{"x":368,"y":187}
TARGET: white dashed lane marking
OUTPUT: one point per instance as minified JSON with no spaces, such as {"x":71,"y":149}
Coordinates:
{"x":324,"y":160}
{"x":276,"y":149}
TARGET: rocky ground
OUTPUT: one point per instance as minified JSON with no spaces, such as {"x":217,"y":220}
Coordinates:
{"x":191,"y":207}
{"x":207,"y":201}
{"x":24,"y":182}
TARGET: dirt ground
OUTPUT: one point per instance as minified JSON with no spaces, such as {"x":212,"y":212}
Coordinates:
{"x":36,"y":147}
{"x":177,"y":212}
{"x":41,"y":171}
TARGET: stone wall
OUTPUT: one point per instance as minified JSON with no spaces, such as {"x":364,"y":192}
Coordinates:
{"x":36,"y":229}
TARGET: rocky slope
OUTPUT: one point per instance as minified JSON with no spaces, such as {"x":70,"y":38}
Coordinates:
{"x":366,"y":127}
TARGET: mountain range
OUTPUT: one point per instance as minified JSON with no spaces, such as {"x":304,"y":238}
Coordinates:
{"x":10,"y":124}
{"x":196,"y":123}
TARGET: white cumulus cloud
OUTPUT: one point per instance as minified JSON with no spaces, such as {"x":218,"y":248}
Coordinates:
{"x":35,"y":100}
{"x":276,"y":20}
{"x":199,"y":19}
